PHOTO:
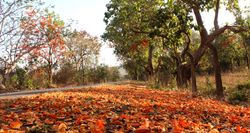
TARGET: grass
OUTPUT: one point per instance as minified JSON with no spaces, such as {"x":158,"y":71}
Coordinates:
{"x":229,"y":79}
{"x":231,"y":82}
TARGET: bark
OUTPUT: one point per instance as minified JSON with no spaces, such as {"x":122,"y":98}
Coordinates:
{"x":216,"y":63}
{"x":5,"y":77}
{"x":150,"y":69}
{"x":150,"y":60}
{"x":193,"y":81}
{"x":189,"y":72}
{"x":183,"y":73}
{"x":182,"y":70}
{"x":182,"y":76}
{"x":193,"y":75}
{"x":207,"y":40}
{"x":50,"y":63}
{"x":247,"y":61}
{"x":216,"y":25}
{"x":135,"y":75}
{"x":50,"y":75}
{"x":83,"y":72}
{"x":246,"y":54}
{"x":217,"y":72}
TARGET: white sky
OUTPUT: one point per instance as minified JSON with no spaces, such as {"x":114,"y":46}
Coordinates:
{"x":90,"y":13}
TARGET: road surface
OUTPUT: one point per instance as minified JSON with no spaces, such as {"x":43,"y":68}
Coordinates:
{"x":34,"y":92}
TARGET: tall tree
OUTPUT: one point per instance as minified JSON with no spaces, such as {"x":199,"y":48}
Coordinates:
{"x":82,"y":48}
{"x":207,"y":39}
{"x":172,"y":20}
{"x":11,"y":33}
{"x":82,"y":51}
{"x":156,"y":21}
{"x":47,"y":31}
{"x":245,"y":35}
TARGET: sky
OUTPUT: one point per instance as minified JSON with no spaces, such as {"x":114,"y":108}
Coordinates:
{"x":89,"y":15}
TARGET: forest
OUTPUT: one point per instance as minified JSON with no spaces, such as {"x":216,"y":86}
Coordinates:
{"x":177,"y":73}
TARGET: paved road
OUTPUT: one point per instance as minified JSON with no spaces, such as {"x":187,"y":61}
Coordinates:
{"x":33,"y":92}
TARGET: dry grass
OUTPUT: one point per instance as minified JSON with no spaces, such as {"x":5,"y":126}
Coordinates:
{"x":229,"y":79}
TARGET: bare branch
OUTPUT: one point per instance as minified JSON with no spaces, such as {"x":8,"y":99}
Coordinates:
{"x":215,"y":34}
{"x":216,"y":25}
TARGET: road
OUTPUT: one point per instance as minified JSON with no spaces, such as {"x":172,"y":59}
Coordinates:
{"x":34,"y":92}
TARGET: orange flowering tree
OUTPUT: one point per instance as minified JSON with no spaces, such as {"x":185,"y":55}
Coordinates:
{"x":45,"y":33}
{"x":11,"y":34}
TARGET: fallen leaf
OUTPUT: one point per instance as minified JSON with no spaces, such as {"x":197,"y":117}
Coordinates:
{"x":62,"y":127}
{"x":214,"y":131}
{"x":100,"y":124}
{"x":49,"y":122}
{"x":16,"y":124}
{"x":142,"y":130}
{"x":239,"y":129}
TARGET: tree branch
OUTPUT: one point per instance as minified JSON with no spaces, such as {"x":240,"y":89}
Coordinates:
{"x":216,"y":25}
{"x":184,"y":52}
{"x":215,"y":34}
{"x":202,"y":29}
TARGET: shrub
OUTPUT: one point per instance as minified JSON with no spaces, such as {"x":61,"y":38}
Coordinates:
{"x":38,"y":78}
{"x":66,"y":74}
{"x":20,"y":80}
{"x":240,"y":93}
{"x":155,"y":86}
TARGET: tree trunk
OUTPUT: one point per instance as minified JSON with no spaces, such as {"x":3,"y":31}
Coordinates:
{"x":5,"y":77}
{"x":50,"y":75}
{"x":246,"y":53}
{"x":247,"y":61}
{"x":193,"y":75}
{"x":83,"y":76}
{"x":183,"y":73}
{"x":83,"y":72}
{"x":182,"y":76}
{"x":4,"y":80}
{"x":135,"y":75}
{"x":217,"y":72}
{"x":150,"y":68}
{"x":50,"y":63}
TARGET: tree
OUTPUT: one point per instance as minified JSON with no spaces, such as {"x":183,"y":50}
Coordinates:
{"x":47,"y":31}
{"x":113,"y":74}
{"x":245,"y":36}
{"x":171,"y":20}
{"x":144,"y":22}
{"x":230,"y":52}
{"x":82,"y":48}
{"x":82,"y":51}
{"x":165,"y":24}
{"x":11,"y":34}
{"x":207,"y":40}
